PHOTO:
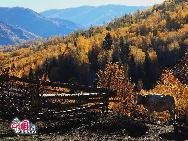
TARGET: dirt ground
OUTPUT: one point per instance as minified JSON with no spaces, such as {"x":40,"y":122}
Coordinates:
{"x":108,"y":128}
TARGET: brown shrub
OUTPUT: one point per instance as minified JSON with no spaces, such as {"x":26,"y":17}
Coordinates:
{"x":115,"y":77}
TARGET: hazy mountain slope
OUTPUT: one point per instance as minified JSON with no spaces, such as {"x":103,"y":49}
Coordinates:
{"x":88,"y":15}
{"x":12,"y":35}
{"x":36,"y":23}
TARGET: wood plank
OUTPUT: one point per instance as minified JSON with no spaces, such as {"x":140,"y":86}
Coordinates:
{"x":73,"y":110}
{"x":62,"y":85}
{"x":68,"y":105}
{"x":78,"y":96}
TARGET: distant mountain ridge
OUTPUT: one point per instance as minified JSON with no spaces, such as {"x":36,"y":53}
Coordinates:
{"x":19,"y":24}
{"x":90,"y":15}
{"x":35,"y":22}
{"x":13,"y":35}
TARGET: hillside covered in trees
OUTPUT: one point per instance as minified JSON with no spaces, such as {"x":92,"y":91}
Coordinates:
{"x":14,"y":35}
{"x":146,"y":42}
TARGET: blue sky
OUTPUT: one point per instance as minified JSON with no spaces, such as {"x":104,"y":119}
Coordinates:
{"x":41,"y":5}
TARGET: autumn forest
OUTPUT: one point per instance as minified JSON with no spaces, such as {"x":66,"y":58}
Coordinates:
{"x":143,"y":52}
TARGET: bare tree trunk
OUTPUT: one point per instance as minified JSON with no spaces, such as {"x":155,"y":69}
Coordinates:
{"x":186,"y":120}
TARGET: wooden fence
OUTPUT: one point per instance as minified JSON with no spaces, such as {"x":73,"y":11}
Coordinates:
{"x":22,"y":97}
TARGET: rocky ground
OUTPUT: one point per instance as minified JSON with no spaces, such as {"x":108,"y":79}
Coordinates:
{"x":112,"y":127}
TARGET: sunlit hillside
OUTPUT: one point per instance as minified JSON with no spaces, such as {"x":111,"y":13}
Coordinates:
{"x":147,"y":41}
